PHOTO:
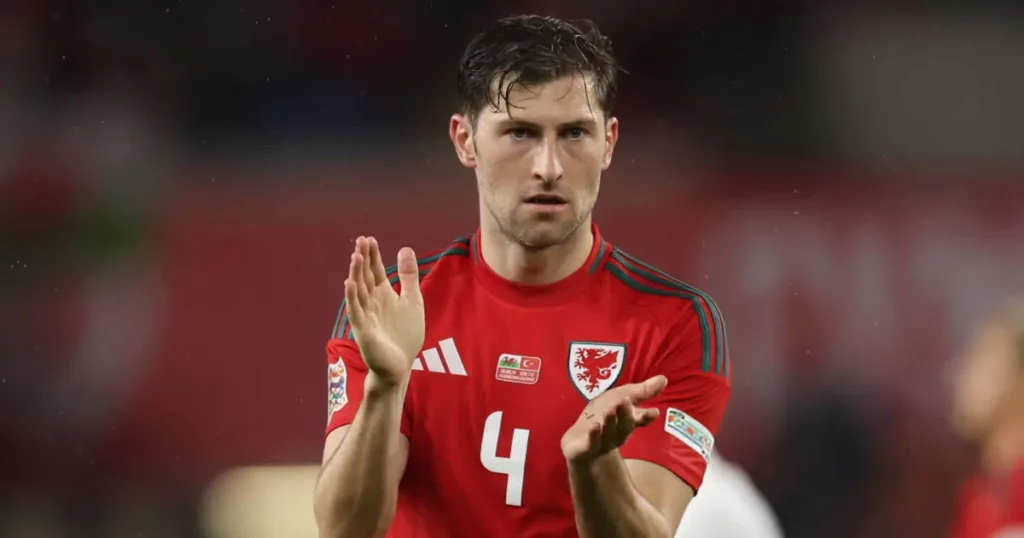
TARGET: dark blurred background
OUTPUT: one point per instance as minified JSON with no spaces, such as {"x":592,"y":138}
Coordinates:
{"x":180,"y":183}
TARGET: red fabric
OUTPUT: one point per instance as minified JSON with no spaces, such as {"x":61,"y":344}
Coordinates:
{"x":462,"y":477}
{"x":991,"y":506}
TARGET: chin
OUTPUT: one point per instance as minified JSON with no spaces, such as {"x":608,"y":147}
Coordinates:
{"x":537,"y":239}
{"x":540,"y":236}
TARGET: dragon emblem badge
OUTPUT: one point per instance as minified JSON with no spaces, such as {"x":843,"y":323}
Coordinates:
{"x":594,"y":366}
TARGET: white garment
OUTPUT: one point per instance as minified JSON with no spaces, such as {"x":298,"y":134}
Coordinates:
{"x":728,"y":506}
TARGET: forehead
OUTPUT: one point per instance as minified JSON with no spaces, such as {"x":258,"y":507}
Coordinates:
{"x":568,"y":99}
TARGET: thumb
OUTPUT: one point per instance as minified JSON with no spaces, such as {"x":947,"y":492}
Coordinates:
{"x":650,"y":388}
{"x":409,"y":275}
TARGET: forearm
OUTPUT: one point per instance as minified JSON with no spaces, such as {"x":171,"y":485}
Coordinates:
{"x":357,"y":489}
{"x":608,"y":506}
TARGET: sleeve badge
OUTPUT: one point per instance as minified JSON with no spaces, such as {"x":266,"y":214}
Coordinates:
{"x":337,"y":394}
{"x":691,"y":432}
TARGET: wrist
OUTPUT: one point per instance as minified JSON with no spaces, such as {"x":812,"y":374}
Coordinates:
{"x":377,"y":387}
{"x":591,"y":463}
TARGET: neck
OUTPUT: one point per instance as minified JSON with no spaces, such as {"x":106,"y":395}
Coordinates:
{"x":1004,"y":448}
{"x":512,"y":261}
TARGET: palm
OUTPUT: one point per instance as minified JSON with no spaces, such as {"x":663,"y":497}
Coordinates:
{"x":607,"y":422}
{"x":388,"y":327}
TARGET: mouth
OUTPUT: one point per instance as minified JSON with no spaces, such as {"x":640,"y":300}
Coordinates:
{"x":546,"y":200}
{"x":546,"y":204}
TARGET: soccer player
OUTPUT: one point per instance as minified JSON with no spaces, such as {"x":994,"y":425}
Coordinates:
{"x":988,"y":411}
{"x":529,"y":379}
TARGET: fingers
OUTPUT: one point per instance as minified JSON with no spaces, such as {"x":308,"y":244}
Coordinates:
{"x":624,"y":417}
{"x":595,"y":434}
{"x":644,"y":416}
{"x":359,"y":271}
{"x":359,"y":278}
{"x":364,"y":250}
{"x":651,"y":387}
{"x":623,"y":422}
{"x":616,"y":426}
{"x":354,"y":306}
{"x":409,"y":275}
{"x":380,"y":275}
{"x":367,"y":270}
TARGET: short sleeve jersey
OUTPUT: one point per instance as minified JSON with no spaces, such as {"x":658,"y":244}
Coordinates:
{"x":991,"y":506}
{"x":507,"y":368}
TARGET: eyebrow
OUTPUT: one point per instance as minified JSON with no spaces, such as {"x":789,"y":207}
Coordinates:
{"x":581,"y":122}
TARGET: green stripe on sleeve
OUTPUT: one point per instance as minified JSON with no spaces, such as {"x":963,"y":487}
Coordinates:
{"x":341,"y":320}
{"x":656,"y":275}
{"x":701,"y":315}
{"x":454,"y":250}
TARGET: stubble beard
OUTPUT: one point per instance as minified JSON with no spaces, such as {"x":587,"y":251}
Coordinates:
{"x":539,"y":236}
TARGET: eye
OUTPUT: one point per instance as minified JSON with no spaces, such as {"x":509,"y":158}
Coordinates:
{"x":519,"y":133}
{"x":575,"y":133}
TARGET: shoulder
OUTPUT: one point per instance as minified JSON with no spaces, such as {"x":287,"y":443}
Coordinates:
{"x":682,"y":310}
{"x":647,"y":283}
{"x":439,"y":264}
{"x":433,"y":267}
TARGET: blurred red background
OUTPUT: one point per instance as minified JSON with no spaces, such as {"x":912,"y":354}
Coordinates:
{"x":180,"y":185}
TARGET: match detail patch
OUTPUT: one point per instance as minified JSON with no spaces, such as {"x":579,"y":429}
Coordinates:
{"x":337,"y":385}
{"x":689,"y":431}
{"x":518,"y":369}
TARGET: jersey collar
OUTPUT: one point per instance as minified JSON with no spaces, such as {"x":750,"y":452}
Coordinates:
{"x":547,"y":295}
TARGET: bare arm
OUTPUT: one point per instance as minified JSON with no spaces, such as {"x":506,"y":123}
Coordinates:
{"x":642,"y":488}
{"x":363,"y":463}
{"x":613,"y":496}
{"x":357,"y":490}
{"x":631,"y":498}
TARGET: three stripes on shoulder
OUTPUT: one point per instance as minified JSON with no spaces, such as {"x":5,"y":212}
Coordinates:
{"x":436,"y":361}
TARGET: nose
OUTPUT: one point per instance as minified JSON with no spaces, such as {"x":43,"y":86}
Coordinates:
{"x":547,"y":165}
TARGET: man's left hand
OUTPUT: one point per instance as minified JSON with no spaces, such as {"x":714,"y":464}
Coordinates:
{"x":607,"y":421}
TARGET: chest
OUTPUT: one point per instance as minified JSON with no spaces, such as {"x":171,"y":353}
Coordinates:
{"x":496,"y":382}
{"x":481,"y":352}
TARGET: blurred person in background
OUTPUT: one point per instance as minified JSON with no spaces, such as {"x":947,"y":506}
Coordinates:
{"x":613,"y":436}
{"x":988,"y":412}
{"x":729,"y":506}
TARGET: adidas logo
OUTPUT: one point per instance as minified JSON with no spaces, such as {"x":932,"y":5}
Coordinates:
{"x":436,"y":362}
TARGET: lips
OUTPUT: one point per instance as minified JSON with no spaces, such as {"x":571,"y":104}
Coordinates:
{"x":546,"y":199}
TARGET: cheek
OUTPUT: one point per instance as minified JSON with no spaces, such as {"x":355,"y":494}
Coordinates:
{"x":497,"y":180}
{"x":509,"y":169}
{"x":591,"y":162}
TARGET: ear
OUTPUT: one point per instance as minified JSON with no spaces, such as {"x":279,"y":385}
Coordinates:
{"x":461,"y":132}
{"x":611,"y":137}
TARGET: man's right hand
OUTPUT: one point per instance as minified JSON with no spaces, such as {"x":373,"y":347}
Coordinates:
{"x":388,"y":327}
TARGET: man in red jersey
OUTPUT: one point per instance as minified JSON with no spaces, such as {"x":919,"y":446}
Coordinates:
{"x":529,"y":379}
{"x":988,"y":411}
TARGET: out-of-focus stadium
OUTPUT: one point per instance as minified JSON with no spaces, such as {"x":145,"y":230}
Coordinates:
{"x":180,"y":183}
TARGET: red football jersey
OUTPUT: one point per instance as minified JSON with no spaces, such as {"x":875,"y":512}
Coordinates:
{"x":507,"y":368}
{"x":992,"y":507}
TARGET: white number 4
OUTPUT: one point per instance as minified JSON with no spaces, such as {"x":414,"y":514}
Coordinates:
{"x":514,"y":465}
